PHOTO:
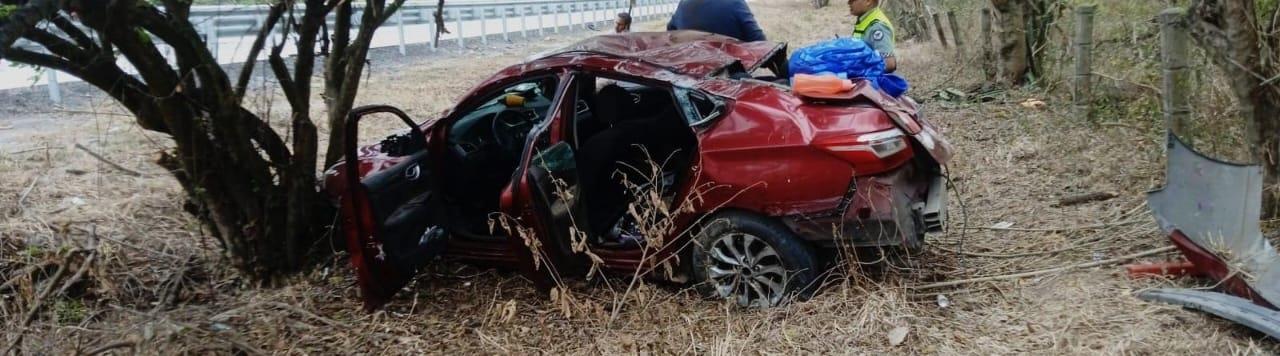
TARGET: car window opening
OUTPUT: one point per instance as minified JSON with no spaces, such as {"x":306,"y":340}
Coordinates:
{"x":485,"y":146}
{"x":628,"y":132}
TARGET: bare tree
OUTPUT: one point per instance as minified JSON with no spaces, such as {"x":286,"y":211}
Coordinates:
{"x":256,"y":191}
{"x":1243,"y":38}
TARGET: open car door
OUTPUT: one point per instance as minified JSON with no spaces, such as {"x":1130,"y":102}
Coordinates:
{"x":387,"y":215}
{"x":549,"y":186}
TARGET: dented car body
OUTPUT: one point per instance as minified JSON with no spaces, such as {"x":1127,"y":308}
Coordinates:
{"x":542,"y":145}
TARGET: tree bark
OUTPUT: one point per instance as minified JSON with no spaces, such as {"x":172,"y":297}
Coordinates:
{"x":1012,"y":20}
{"x":1024,"y":29}
{"x":1246,"y":50}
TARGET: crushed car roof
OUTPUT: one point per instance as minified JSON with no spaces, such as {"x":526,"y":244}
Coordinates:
{"x":692,"y":53}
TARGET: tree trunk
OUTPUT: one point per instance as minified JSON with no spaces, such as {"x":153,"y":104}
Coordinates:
{"x":256,"y":192}
{"x":1024,"y":32}
{"x":1014,"y":50}
{"x":1245,"y":46}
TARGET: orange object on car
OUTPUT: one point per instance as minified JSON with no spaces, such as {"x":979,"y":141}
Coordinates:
{"x":820,"y":84}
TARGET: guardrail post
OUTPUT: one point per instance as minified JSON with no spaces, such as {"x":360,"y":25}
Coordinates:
{"x":505,"y":36}
{"x":524,"y":22}
{"x":457,"y":18}
{"x":400,"y":27}
{"x":540,"y":26}
{"x":431,"y":26}
{"x":1176,"y":84}
{"x":484,"y":25}
{"x":556,"y":14}
{"x":55,"y":93}
{"x":572,"y":8}
{"x":1084,"y":72}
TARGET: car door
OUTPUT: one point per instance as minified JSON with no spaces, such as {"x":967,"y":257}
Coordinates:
{"x":387,"y":215}
{"x":549,"y":194}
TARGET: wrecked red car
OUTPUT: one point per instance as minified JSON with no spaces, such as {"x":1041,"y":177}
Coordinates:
{"x":760,"y":187}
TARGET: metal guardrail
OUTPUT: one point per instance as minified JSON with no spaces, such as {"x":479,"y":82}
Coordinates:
{"x":238,"y":21}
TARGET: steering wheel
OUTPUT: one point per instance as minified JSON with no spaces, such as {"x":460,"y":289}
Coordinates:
{"x":510,"y":126}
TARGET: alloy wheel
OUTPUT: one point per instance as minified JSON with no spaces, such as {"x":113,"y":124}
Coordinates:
{"x":746,"y":269}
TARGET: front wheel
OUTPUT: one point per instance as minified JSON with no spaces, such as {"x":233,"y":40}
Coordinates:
{"x":754,"y":261}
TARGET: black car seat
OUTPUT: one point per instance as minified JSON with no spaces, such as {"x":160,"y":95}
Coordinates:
{"x":607,"y":152}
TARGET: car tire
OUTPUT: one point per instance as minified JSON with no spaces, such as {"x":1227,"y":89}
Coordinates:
{"x":752,"y":260}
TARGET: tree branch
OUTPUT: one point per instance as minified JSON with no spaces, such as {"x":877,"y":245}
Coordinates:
{"x":193,"y":56}
{"x":18,"y":55}
{"x":24,"y":19}
{"x":59,"y":46}
{"x":74,"y":32}
{"x":390,"y":10}
{"x":246,"y":72}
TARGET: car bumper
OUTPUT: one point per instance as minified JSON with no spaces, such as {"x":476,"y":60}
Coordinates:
{"x":887,"y":210}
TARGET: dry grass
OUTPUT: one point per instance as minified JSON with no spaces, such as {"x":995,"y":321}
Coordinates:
{"x":155,"y":284}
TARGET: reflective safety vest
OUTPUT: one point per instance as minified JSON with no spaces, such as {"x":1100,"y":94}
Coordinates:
{"x":866,"y":20}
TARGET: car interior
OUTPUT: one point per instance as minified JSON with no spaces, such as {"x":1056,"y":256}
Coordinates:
{"x":619,"y":128}
{"x":630,"y":138}
{"x":484,"y":151}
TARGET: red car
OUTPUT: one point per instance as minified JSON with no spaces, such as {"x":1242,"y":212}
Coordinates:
{"x":754,"y":188}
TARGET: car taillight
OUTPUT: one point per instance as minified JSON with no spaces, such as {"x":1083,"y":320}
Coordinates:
{"x":870,"y":153}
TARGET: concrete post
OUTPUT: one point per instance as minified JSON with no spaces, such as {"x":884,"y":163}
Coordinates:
{"x":55,"y":92}
{"x":988,"y":53}
{"x":1084,"y":59}
{"x":942,"y":34}
{"x":484,"y":25}
{"x":924,"y":26}
{"x":505,"y":35}
{"x":1177,"y":84}
{"x":400,"y":27}
{"x":457,"y":18}
{"x":524,"y":22}
{"x":955,"y":34}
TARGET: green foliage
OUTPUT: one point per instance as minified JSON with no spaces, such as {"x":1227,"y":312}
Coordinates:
{"x":69,"y":311}
{"x":6,"y":10}
{"x":1266,"y":8}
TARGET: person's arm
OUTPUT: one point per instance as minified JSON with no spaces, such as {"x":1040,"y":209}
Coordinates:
{"x":880,"y":38}
{"x":747,"y":24}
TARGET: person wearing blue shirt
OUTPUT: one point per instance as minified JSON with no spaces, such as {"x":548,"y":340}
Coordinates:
{"x":724,"y":17}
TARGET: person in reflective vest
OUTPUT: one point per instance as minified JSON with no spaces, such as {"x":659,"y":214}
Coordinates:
{"x":874,"y":28}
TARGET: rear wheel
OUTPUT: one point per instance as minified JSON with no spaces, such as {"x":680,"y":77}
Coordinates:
{"x":751,"y":260}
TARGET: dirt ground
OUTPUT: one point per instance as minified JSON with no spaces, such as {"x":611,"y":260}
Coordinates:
{"x":152,"y":281}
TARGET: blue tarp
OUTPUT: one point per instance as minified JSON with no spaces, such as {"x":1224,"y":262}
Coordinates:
{"x":847,"y":58}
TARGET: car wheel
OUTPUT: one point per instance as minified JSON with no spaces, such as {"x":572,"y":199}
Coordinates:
{"x":754,"y":261}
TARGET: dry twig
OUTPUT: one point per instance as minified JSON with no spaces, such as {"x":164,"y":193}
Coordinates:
{"x":117,"y":166}
{"x":1057,"y":229}
{"x":1085,"y":198}
{"x":38,"y":303}
{"x":1046,"y":271}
